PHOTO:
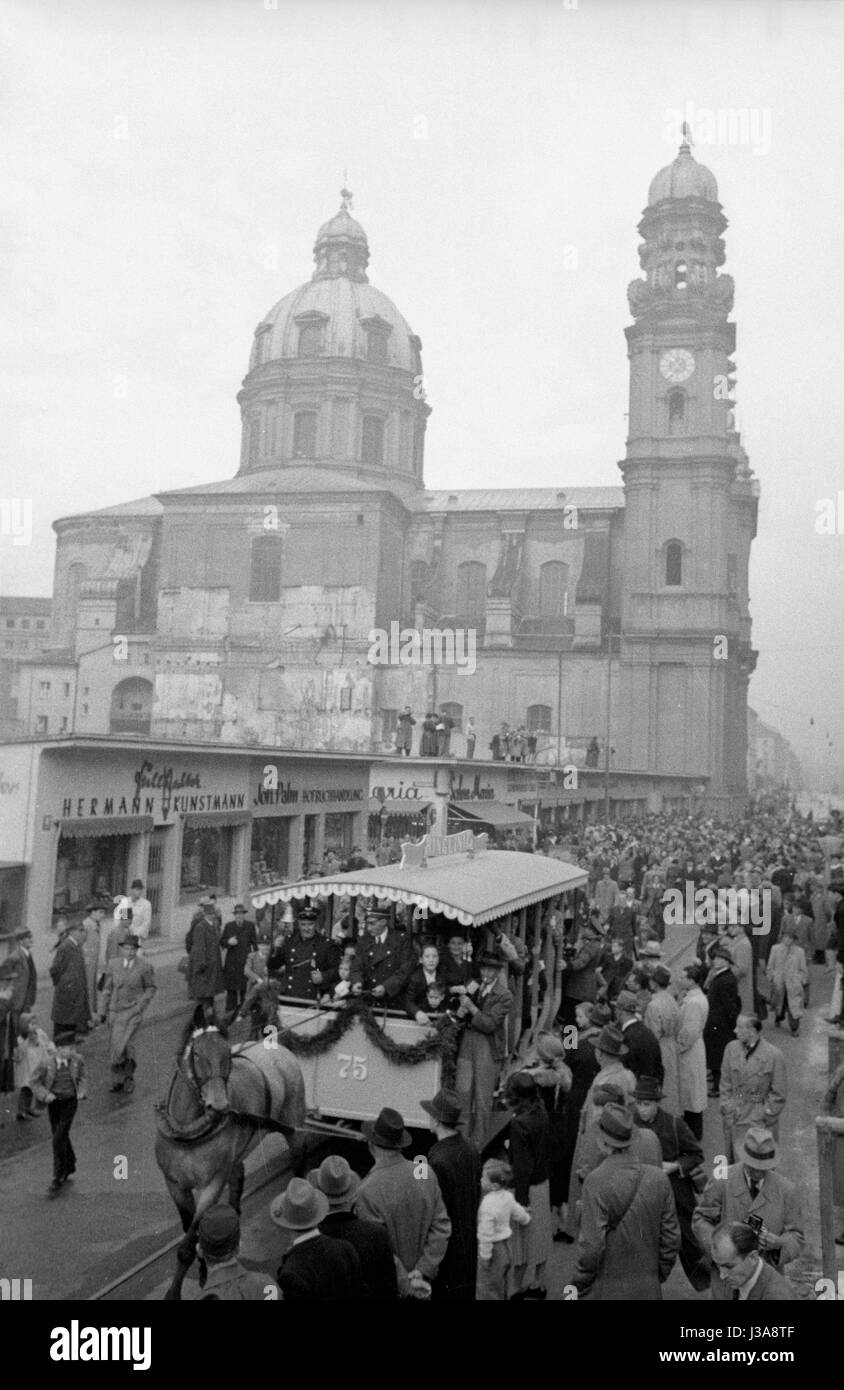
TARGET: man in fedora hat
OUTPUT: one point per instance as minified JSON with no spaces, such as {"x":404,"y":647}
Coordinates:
{"x":218,"y":1242}
{"x":406,"y":1198}
{"x":752,"y":1188}
{"x":644,"y":1057}
{"x":128,"y":990}
{"x":339,"y":1184}
{"x":316,"y":1268}
{"x":629,"y":1236}
{"x":205,"y":967}
{"x":238,"y":940}
{"x":681,"y":1154}
{"x":20,"y":970}
{"x":384,"y":960}
{"x":457,"y":1165}
{"x":754,"y":1083}
{"x":724,"y":1008}
{"x":610,"y":1054}
{"x":483,"y":1046}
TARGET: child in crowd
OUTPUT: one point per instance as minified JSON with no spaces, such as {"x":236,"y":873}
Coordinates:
{"x":59,"y":1083}
{"x":343,"y":987}
{"x":497,"y":1210}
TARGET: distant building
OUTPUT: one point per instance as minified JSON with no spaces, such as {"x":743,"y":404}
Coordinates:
{"x":25,"y":632}
{"x":771,"y":761}
{"x":244,"y":610}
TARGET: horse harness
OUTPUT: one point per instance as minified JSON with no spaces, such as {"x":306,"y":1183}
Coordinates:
{"x":209,"y":1125}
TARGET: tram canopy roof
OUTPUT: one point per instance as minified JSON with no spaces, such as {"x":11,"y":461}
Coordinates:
{"x":464,"y":889}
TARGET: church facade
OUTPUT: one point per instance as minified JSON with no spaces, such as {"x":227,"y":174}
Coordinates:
{"x":244,"y":611}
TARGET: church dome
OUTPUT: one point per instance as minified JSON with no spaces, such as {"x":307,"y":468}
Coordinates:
{"x":346,"y":316}
{"x":684,"y":178}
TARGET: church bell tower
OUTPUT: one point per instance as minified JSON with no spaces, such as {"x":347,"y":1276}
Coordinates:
{"x":690,"y":501}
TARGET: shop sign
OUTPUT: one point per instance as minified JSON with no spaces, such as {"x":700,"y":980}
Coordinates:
{"x":403,"y":793}
{"x":272,"y":792}
{"x":471,"y":791}
{"x":160,"y":792}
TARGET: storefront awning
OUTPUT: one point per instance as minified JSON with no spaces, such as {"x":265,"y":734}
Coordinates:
{"x":195,"y":822}
{"x":494,"y":813}
{"x":106,"y":825}
{"x":468,"y":890}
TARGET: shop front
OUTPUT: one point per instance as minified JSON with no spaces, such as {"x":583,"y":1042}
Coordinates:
{"x":188,"y":821}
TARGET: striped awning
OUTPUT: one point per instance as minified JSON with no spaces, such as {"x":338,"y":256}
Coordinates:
{"x":106,"y":825}
{"x":467,"y":890}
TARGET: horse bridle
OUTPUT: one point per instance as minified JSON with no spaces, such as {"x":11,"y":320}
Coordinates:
{"x":187,"y":1058}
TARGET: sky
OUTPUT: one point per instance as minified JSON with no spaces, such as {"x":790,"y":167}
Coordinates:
{"x":167,"y":166}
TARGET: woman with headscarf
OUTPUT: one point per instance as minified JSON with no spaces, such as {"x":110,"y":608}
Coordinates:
{"x":553,"y":1077}
{"x":789,"y":975}
{"x":529,"y":1156}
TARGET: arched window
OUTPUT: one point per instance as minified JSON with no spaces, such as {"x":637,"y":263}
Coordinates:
{"x":131,"y":707}
{"x":553,"y":583}
{"x":372,"y":440}
{"x":674,"y":563}
{"x":455,"y":712}
{"x":304,"y":434}
{"x":265,"y":570}
{"x":471,"y":589}
{"x":539,"y":719}
{"x":676,"y":411}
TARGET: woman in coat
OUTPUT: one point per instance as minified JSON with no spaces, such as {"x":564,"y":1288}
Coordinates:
{"x":662,"y":1016}
{"x":554,"y":1079}
{"x":789,"y":975}
{"x":529,"y":1157}
{"x":691,"y":1050}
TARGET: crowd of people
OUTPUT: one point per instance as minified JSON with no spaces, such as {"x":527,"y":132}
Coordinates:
{"x":598,"y":1143}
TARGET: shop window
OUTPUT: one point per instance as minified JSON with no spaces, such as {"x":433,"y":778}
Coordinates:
{"x":674,"y":563}
{"x":206,"y":860}
{"x":269,"y":858}
{"x":88,"y":865}
{"x":304,"y":434}
{"x":455,"y":712}
{"x":539,"y":719}
{"x":471,"y":589}
{"x":372,"y":440}
{"x":265,"y":570}
{"x":338,"y":833}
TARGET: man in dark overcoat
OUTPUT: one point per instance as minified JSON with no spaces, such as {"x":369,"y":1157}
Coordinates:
{"x":239,"y":940}
{"x":205,"y":969}
{"x":724,"y":1009}
{"x":457,"y":1165}
{"x":305,"y":964}
{"x":71,"y":1006}
{"x":644,"y":1057}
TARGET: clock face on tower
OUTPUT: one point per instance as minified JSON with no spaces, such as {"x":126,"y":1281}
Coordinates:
{"x":677,"y":364}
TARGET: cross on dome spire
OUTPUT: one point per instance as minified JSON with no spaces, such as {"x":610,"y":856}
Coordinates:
{"x":346,"y":195}
{"x":686,"y":132}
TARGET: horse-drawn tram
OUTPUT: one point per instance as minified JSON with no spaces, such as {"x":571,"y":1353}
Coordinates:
{"x":367,"y":1045}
